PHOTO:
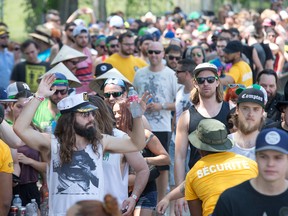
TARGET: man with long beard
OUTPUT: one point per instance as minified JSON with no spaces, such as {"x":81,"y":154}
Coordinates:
{"x":76,"y":148}
{"x":248,"y":120}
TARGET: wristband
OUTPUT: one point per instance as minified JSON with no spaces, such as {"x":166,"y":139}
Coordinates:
{"x":135,"y":197}
{"x":164,"y":106}
{"x":40,"y":98}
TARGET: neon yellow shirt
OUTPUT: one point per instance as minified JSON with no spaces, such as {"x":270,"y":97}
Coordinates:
{"x":127,"y":66}
{"x":213,"y":174}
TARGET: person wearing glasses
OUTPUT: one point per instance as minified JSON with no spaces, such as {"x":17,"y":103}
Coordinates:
{"x":47,"y":113}
{"x":30,"y":70}
{"x":124,"y":61}
{"x":112,"y":45}
{"x":207,"y":99}
{"x":76,"y":148}
{"x":160,"y":81}
{"x":196,"y":53}
{"x":173,"y":54}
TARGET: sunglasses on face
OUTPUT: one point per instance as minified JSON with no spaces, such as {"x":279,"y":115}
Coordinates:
{"x":71,"y":30}
{"x":114,"y":94}
{"x":210,"y":79}
{"x":157,"y":52}
{"x":197,"y":54}
{"x":113,"y":45}
{"x":102,"y":46}
{"x":177,"y":58}
{"x":62,"y":92}
{"x":180,"y":71}
{"x":87,"y":114}
{"x":16,"y":48}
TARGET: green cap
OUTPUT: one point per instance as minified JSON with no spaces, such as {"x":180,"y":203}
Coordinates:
{"x":210,"y":135}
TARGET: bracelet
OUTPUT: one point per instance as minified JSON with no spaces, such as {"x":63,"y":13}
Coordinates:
{"x":40,"y":98}
{"x":135,"y":197}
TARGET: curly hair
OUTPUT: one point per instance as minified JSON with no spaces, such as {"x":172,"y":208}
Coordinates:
{"x":65,"y":134}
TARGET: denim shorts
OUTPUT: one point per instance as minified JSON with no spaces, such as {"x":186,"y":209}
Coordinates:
{"x":147,"y":201}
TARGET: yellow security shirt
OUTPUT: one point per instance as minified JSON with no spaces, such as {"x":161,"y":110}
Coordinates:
{"x":241,"y":73}
{"x":213,"y":174}
{"x":127,"y":66}
{"x":6,"y":161}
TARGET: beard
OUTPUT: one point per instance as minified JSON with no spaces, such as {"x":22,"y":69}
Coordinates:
{"x":247,"y":128}
{"x":83,"y":131}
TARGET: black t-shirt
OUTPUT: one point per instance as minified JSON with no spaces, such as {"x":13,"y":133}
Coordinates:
{"x":29,"y":73}
{"x":270,"y":108}
{"x":243,"y":199}
{"x":195,"y":118}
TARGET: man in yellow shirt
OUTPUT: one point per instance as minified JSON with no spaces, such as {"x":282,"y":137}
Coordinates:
{"x":240,"y":72}
{"x":216,"y":171}
{"x":124,"y":61}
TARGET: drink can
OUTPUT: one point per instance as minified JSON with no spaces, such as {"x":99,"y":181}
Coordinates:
{"x":13,"y":211}
{"x":22,"y":211}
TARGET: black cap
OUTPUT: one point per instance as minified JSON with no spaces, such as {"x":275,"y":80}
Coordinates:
{"x":233,"y":47}
{"x":102,"y":68}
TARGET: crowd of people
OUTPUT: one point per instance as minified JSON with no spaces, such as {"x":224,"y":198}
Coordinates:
{"x":212,"y":137}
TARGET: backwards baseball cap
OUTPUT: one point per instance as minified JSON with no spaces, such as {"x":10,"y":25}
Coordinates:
{"x":3,"y":30}
{"x":114,"y":81}
{"x":205,"y":66}
{"x":211,"y":135}
{"x":80,"y":29}
{"x":252,"y":95}
{"x":60,"y":80}
{"x":75,"y":103}
{"x":14,"y":88}
{"x":272,"y":139}
{"x":102,"y":68}
{"x":233,"y":47}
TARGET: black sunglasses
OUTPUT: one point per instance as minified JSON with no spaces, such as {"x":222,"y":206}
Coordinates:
{"x":210,"y":79}
{"x":62,"y":92}
{"x":174,"y":57}
{"x":157,"y":52}
{"x":114,"y":94}
{"x":113,"y":45}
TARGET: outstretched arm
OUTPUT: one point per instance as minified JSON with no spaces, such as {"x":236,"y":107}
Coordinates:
{"x":33,"y":138}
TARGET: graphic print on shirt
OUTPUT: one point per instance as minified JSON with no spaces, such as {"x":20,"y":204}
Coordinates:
{"x":157,"y":92}
{"x":79,"y":174}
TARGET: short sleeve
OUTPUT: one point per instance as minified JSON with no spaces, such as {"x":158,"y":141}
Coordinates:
{"x":6,"y":161}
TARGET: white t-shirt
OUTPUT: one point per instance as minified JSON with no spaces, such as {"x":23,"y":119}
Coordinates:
{"x":182,"y":102}
{"x":248,"y":152}
{"x":82,"y":179}
{"x":116,"y":183}
{"x":163,"y":87}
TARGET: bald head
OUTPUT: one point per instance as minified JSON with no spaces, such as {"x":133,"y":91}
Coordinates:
{"x":155,"y":45}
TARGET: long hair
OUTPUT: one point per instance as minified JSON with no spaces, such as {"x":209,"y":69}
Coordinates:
{"x":103,"y":115}
{"x":65,"y":134}
{"x":194,"y":95}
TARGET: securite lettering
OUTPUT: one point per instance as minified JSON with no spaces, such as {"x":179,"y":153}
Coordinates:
{"x":236,"y":165}
{"x":254,"y":97}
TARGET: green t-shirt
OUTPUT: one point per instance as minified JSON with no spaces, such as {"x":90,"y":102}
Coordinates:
{"x":43,"y":118}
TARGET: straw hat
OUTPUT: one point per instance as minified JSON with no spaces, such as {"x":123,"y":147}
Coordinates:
{"x":67,"y":53}
{"x":97,"y":83}
{"x":44,"y":34}
{"x":61,"y":68}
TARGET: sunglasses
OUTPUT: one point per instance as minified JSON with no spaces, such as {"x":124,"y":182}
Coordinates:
{"x":179,"y":71}
{"x":62,"y":92}
{"x":73,"y":62}
{"x":16,"y":48}
{"x":114,"y":94}
{"x":102,"y":46}
{"x":236,"y":85}
{"x":71,"y":30}
{"x":157,"y":52}
{"x":87,"y":114}
{"x":113,"y":45}
{"x":177,"y":58}
{"x":210,"y":79}
{"x":197,"y":54}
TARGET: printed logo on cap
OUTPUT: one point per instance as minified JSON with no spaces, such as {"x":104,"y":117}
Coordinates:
{"x":272,"y":138}
{"x":252,"y":96}
{"x":103,"y":68}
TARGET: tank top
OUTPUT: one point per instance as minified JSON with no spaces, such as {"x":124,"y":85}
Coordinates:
{"x":195,"y":118}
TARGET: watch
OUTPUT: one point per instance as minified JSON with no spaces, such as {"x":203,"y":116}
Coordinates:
{"x":164,"y":106}
{"x":135,"y":197}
